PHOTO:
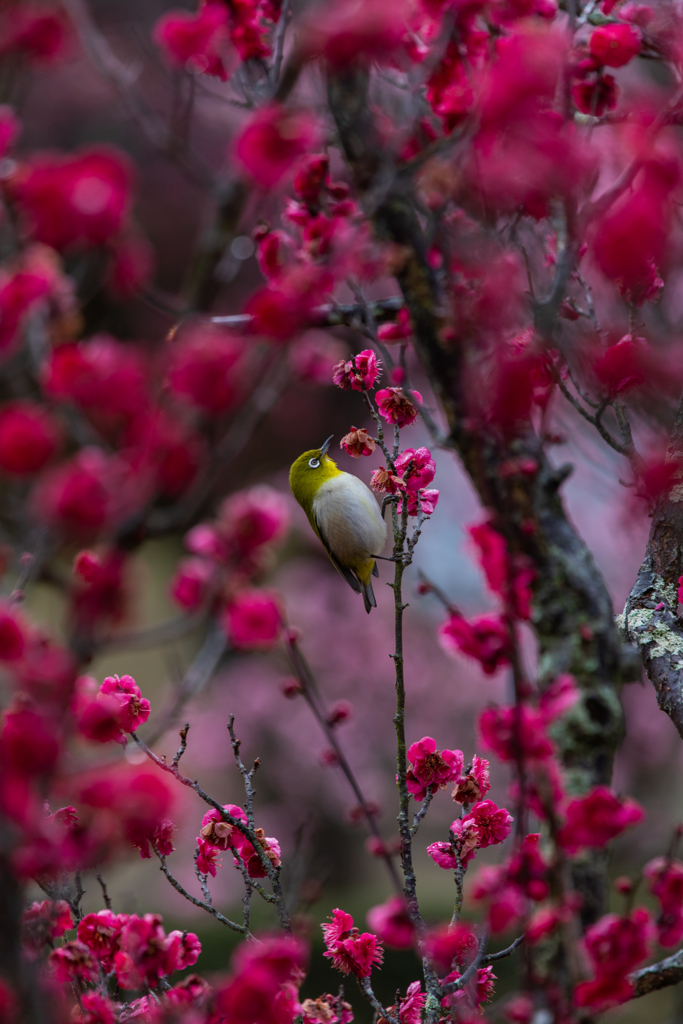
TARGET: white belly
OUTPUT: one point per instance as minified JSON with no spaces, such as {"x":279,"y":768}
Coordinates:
{"x":349,"y":519}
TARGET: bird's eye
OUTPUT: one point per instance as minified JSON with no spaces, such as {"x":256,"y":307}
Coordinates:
{"x":314,"y":463}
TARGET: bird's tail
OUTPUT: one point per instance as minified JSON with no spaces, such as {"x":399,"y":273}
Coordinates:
{"x":368,"y":595}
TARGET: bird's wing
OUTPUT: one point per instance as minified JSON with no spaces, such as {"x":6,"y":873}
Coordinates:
{"x":341,"y":569}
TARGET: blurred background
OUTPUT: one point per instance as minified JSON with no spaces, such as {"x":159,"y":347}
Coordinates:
{"x":301,"y":799}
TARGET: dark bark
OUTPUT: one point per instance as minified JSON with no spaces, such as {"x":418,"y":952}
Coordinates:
{"x":660,"y":975}
{"x":573,"y":615}
{"x":650,"y":616}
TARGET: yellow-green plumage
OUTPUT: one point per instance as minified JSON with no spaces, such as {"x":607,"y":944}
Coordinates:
{"x":345,"y":516}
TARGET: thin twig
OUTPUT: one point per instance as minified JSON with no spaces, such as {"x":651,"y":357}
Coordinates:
{"x":459,"y":983}
{"x":193,"y":899}
{"x":272,"y":873}
{"x":417,"y":818}
{"x":366,"y":989}
{"x":105,"y":895}
{"x":491,"y":958}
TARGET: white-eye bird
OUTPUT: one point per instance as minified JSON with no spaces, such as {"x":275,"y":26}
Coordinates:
{"x":345,"y":516}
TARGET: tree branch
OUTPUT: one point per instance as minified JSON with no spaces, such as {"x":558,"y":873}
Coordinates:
{"x":660,"y":975}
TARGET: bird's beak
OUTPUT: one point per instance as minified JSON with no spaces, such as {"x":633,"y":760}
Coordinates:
{"x":323,"y":450}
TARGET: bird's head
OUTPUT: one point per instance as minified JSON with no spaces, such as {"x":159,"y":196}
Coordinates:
{"x":309,"y":472}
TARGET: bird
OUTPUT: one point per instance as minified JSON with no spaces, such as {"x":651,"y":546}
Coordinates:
{"x":344,"y":515}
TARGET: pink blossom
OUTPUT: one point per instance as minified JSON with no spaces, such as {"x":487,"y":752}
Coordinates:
{"x":416,"y":467}
{"x":493,"y":823}
{"x":504,"y":900}
{"x":81,"y":495}
{"x":514,"y":732}
{"x":207,"y":858}
{"x":96,"y":715}
{"x":101,"y":933}
{"x":252,"y":620}
{"x":281,"y":311}
{"x":133,"y":800}
{"x":102,"y":376}
{"x":262,"y":984}
{"x":340,"y":925}
{"x":325,"y":1010}
{"x":95,"y":1009}
{"x":251,"y":519}
{"x":73,"y":962}
{"x":596,"y":818}
{"x":630,"y":240}
{"x":340,"y":711}
{"x":493,"y":555}
{"x":528,"y":869}
{"x":274,"y":253}
{"x":43,"y":36}
{"x":160,"y":837}
{"x":29,"y":438}
{"x":207,"y":541}
{"x":509,"y":578}
{"x":386,"y":482}
{"x":42,"y":922}
{"x":357,"y":442}
{"x":33,"y":280}
{"x":398,"y":330}
{"x":273,"y":140}
{"x":615,"y":946}
{"x":190,"y":586}
{"x":350,"y":951}
{"x":9,"y":1004}
{"x":431,"y":769}
{"x":448,"y":943}
{"x":485,"y":638}
{"x":475,"y":785}
{"x":665,"y":881}
{"x":559,"y":697}
{"x":359,"y":373}
{"x":357,"y":954}
{"x":195,"y":42}
{"x":395,"y":406}
{"x":87,"y":566}
{"x":427,"y":498}
{"x":163,"y":451}
{"x":311,"y":177}
{"x":482,"y":991}
{"x":544,"y":921}
{"x":250,"y":857}
{"x":625,"y":366}
{"x":30,"y":741}
{"x":466,"y":840}
{"x":81,"y":199}
{"x":639,"y":14}
{"x":391,"y":923}
{"x":346,"y":32}
{"x":205,"y":368}
{"x":10,"y":127}
{"x":12,"y":634}
{"x":250,"y":21}
{"x":614,"y":45}
{"x":409,"y":1009}
{"x":182,"y":950}
{"x":134,"y":709}
{"x":217,"y":832}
